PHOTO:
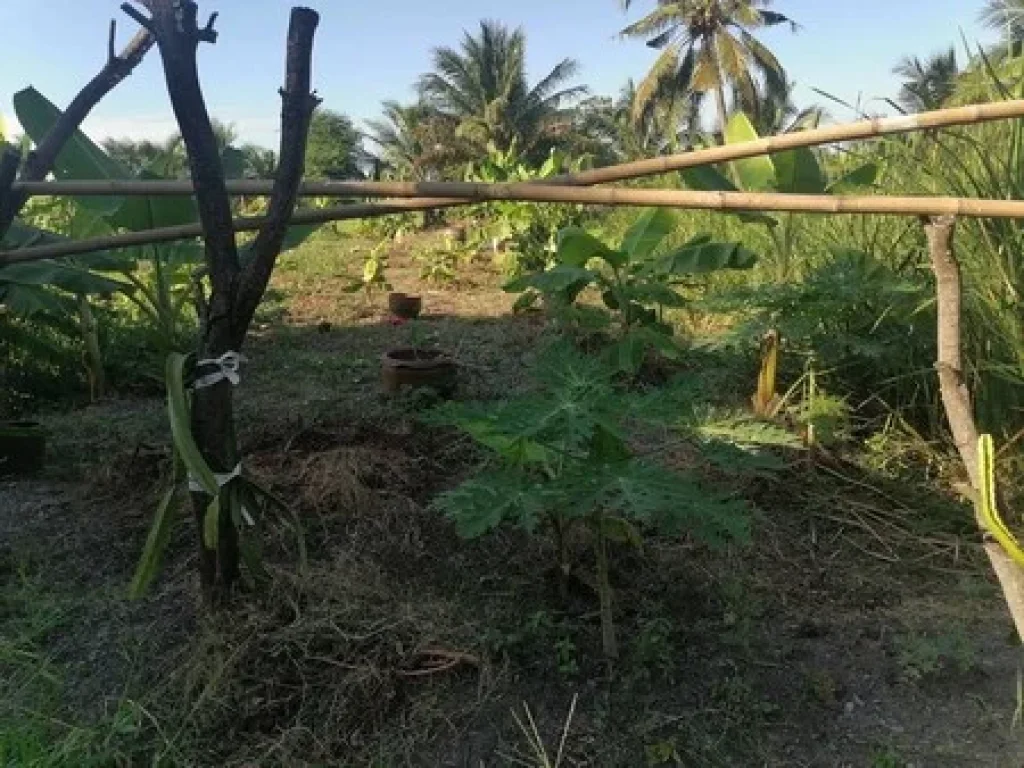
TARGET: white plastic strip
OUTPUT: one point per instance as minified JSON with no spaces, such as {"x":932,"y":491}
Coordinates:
{"x":222,"y":479}
{"x":227,"y":368}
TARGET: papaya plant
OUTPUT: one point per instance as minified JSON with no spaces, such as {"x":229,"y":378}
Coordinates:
{"x":636,"y":282}
{"x":374,"y":273}
{"x":559,"y":459}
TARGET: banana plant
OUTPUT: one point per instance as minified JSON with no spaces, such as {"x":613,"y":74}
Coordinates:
{"x":795,"y":171}
{"x":529,"y":229}
{"x":636,"y":282}
{"x":162,"y":275}
{"x":55,"y":295}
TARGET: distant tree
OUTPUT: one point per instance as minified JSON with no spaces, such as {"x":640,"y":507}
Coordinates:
{"x":137,"y":155}
{"x":709,"y":47}
{"x":415,"y":141}
{"x":167,"y":158}
{"x":607,"y":129}
{"x":483,"y":86}
{"x":927,"y":84}
{"x":334,"y":150}
{"x":260,"y":163}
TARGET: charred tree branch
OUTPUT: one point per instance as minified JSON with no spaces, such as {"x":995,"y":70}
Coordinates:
{"x":40,"y":162}
{"x":298,"y":105}
{"x":226,"y":313}
{"x":9,"y":164}
{"x":175,"y":28}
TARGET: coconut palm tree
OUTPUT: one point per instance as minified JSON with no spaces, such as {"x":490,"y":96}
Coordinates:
{"x":927,"y":84}
{"x":1007,"y":18}
{"x":607,"y":130}
{"x":484,"y":87}
{"x":775,"y":113}
{"x":708,"y":46}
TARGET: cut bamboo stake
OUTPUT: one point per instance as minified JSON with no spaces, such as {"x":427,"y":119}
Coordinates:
{"x":863,"y":129}
{"x":648,"y":198}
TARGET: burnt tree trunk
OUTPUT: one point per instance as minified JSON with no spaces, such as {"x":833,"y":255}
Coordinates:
{"x":956,"y":397}
{"x":235,"y":291}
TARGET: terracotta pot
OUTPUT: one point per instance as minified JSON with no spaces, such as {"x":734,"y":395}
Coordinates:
{"x":405,"y":306}
{"x":22,"y":447}
{"x":411,"y":368}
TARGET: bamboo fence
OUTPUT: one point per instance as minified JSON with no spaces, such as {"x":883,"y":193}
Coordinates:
{"x":565,"y":189}
{"x":863,"y":129}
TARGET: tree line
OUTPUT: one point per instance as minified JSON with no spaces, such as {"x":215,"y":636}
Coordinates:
{"x":478,"y":98}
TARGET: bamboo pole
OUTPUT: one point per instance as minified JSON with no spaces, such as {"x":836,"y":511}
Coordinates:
{"x":647,"y":198}
{"x":863,"y":129}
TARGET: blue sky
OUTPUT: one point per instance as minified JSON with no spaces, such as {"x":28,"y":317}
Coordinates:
{"x":366,"y":53}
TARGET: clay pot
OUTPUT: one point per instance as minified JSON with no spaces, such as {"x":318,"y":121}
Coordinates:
{"x":22,"y":447}
{"x":411,"y":368}
{"x":405,"y":306}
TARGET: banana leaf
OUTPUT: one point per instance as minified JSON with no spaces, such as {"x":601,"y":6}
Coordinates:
{"x":79,"y":159}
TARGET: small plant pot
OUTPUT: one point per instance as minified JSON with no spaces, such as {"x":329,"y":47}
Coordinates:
{"x":410,"y":368}
{"x":405,"y":306}
{"x":22,"y":447}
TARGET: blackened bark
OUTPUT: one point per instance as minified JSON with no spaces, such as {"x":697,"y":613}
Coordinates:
{"x":298,"y":105}
{"x":40,"y":162}
{"x":178,"y":36}
{"x":9,"y":164}
{"x":227,"y":312}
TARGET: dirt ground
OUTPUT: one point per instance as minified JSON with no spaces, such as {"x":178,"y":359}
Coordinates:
{"x":860,"y":628}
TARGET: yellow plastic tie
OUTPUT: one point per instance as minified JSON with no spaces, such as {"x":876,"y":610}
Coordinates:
{"x":988,"y":512}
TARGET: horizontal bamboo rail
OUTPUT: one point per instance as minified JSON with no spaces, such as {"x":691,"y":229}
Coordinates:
{"x":562,"y":188}
{"x":649,"y":198}
{"x":864,"y":129}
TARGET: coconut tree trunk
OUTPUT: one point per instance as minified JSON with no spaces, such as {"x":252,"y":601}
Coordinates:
{"x":723,"y":110}
{"x":956,"y":398}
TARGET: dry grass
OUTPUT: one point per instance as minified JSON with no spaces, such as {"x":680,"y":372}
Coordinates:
{"x":320,"y":665}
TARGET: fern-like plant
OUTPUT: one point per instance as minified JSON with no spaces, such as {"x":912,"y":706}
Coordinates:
{"x":559,"y":457}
